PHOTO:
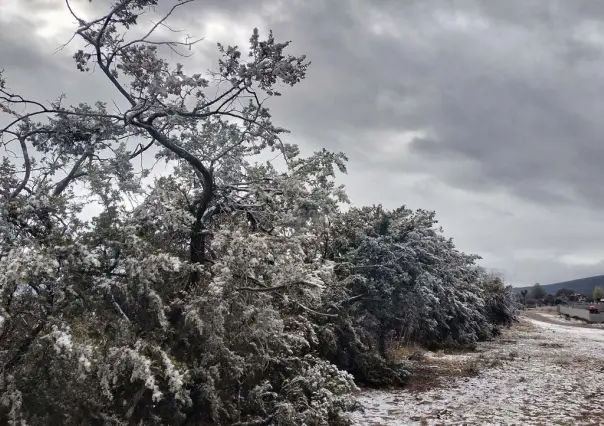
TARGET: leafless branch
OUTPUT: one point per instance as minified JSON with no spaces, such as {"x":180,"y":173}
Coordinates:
{"x":264,"y":288}
{"x":312,"y":311}
{"x":153,"y":28}
{"x":140,"y":149}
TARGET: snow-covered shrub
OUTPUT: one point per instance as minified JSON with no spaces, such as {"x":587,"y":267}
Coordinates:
{"x":501,"y":303}
{"x":407,"y":282}
{"x":351,"y":345}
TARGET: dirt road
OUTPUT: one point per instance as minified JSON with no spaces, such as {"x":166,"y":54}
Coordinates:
{"x":553,"y":319}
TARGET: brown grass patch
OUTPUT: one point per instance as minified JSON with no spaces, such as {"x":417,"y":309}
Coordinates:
{"x":435,"y":372}
{"x":534,"y":337}
{"x":552,"y":345}
{"x":406,"y":352}
{"x":582,"y":363}
{"x":523,"y":326}
{"x":547,"y":309}
{"x":432,"y":370}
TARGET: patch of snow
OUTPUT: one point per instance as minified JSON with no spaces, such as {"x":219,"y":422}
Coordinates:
{"x":564,"y":319}
{"x":448,"y":357}
{"x":573,"y":333}
{"x":555,"y":378}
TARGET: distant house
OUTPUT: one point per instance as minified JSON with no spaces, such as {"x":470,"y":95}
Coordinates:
{"x":577,"y":298}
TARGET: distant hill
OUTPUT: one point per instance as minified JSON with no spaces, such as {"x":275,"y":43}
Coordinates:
{"x":583,"y":286}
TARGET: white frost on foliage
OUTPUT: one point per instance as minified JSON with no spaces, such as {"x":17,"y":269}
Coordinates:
{"x":91,"y":260}
{"x":64,"y":345}
{"x":124,"y":360}
{"x":61,"y":339}
{"x":12,"y":399}
{"x":147,"y":266}
{"x":256,"y":260}
{"x":85,"y":363}
{"x":175,"y":378}
{"x":24,"y":263}
{"x":121,"y":360}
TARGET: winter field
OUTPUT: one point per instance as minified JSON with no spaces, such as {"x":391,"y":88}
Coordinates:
{"x":537,"y":373}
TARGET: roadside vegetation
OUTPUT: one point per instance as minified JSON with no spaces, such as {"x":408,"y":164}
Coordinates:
{"x":232,"y":290}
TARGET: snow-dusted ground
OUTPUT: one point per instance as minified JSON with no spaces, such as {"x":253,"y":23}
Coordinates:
{"x":545,"y":374}
{"x":562,"y":319}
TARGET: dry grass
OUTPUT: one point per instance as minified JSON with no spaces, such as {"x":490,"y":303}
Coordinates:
{"x":435,"y":372}
{"x":524,"y":326}
{"x":551,"y":345}
{"x":403,"y":352}
{"x":547,"y":309}
{"x":580,"y":363}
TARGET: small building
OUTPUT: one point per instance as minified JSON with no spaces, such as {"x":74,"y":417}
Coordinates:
{"x":576,"y":297}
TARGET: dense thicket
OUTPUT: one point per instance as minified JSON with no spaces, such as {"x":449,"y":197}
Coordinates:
{"x":229,"y":291}
{"x":406,"y":284}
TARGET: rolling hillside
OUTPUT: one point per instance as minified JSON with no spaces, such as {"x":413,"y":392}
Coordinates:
{"x":582,"y":285}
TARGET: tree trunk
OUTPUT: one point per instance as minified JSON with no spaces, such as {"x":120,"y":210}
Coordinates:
{"x":197,"y":248}
{"x":382,"y":341}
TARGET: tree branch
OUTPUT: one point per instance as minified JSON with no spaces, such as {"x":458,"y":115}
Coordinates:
{"x":153,"y":28}
{"x":63,"y":184}
{"x":312,"y":311}
{"x":27,"y":162}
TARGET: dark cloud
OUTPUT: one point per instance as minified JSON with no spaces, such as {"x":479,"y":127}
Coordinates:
{"x":510,"y":86}
{"x":488,"y":112}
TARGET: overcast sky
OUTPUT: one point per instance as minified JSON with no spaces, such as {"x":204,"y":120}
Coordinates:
{"x":491,"y":113}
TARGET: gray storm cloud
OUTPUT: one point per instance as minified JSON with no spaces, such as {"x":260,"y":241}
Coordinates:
{"x":487,"y":112}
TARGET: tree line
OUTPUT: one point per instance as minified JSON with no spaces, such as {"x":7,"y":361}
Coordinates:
{"x":537,"y":294}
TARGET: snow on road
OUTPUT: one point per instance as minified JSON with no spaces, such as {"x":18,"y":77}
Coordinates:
{"x":544,"y":374}
{"x":562,"y":319}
